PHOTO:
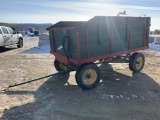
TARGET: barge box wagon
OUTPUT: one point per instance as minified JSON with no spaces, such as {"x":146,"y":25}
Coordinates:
{"x":102,"y":37}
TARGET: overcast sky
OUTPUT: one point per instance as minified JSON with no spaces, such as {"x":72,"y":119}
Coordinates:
{"x":52,"y":11}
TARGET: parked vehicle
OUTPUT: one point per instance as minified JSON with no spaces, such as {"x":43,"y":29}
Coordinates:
{"x":33,"y":32}
{"x":10,"y":37}
{"x":78,"y":45}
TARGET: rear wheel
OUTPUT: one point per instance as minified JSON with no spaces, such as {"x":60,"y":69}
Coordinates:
{"x":59,"y":66}
{"x":20,"y":43}
{"x":131,"y":61}
{"x":88,"y":76}
{"x":136,"y":62}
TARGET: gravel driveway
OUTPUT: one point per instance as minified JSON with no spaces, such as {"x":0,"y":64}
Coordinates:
{"x":121,"y":94}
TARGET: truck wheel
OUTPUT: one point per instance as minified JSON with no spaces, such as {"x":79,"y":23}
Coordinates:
{"x":59,"y":66}
{"x":20,"y":43}
{"x":88,"y":76}
{"x":136,"y":62}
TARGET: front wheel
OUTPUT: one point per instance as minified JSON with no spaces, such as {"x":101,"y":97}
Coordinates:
{"x":88,"y":76}
{"x":20,"y":43}
{"x":136,"y":62}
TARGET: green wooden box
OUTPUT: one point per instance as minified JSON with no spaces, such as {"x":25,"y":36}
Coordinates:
{"x":99,"y":36}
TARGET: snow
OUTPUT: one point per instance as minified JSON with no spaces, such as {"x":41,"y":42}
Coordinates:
{"x":43,"y":49}
{"x":153,"y":45}
{"x":120,"y":97}
{"x":105,"y":96}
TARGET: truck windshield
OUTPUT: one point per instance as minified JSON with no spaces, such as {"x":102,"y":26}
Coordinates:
{"x":0,"y":31}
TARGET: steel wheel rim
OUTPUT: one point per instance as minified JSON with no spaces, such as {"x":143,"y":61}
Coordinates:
{"x":139,"y":62}
{"x":89,"y":76}
{"x":62,"y":66}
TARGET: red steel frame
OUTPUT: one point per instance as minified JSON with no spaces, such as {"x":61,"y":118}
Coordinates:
{"x":79,"y":61}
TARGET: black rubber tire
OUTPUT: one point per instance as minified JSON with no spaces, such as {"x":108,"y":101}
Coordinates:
{"x":133,"y":60}
{"x":20,"y":43}
{"x":57,"y":65}
{"x":2,"y":47}
{"x":80,"y":73}
{"x":77,"y":72}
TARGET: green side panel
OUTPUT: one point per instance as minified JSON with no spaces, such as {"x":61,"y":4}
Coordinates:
{"x":138,"y":32}
{"x":119,"y":39}
{"x":136,"y":37}
{"x":148,"y":29}
{"x":51,"y":40}
{"x":99,"y":30}
{"x":82,"y":38}
{"x":72,"y":44}
{"x":98,"y":42}
{"x":58,"y":41}
{"x":58,"y":38}
{"x":116,"y":21}
{"x":137,"y":21}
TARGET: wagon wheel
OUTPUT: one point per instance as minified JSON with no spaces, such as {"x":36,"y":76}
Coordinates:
{"x":88,"y":76}
{"x":77,"y":72}
{"x":131,"y":60}
{"x":59,"y":66}
{"x":136,"y":62}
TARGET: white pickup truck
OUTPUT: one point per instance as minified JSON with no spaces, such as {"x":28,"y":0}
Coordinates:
{"x":10,"y":37}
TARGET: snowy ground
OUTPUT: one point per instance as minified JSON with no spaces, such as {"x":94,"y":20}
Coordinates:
{"x":43,"y":49}
{"x":153,"y":45}
{"x":39,"y":46}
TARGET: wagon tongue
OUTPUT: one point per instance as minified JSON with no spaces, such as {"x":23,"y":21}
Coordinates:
{"x":29,"y":81}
